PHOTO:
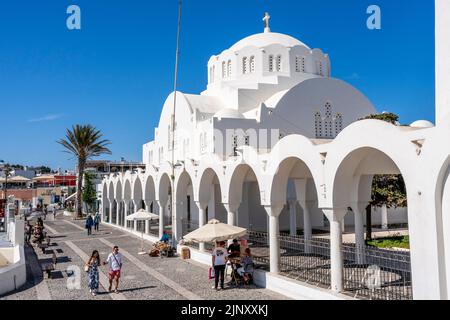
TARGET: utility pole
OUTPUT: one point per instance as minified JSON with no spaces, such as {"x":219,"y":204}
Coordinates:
{"x":177,"y":54}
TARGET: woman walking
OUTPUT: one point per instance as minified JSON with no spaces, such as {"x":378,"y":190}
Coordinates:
{"x":93,"y":275}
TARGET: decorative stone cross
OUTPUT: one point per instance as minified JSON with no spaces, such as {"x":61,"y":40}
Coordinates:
{"x":266,"y":20}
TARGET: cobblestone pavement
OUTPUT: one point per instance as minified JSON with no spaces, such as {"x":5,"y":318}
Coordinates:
{"x":143,"y":277}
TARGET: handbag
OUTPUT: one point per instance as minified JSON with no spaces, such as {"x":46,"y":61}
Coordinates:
{"x":212,"y":273}
{"x":86,"y":268}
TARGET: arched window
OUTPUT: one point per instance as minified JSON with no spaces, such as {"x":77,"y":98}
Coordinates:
{"x":279,"y":64}
{"x":338,"y":124}
{"x":303,"y":64}
{"x":244,"y":65}
{"x":271,"y":63}
{"x":224,"y":70}
{"x":229,"y":68}
{"x":213,"y":73}
{"x":252,"y":64}
{"x":328,"y":121}
{"x":318,"y":125}
{"x":297,"y":64}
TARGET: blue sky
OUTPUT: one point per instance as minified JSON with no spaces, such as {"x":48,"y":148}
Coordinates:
{"x":117,"y":71}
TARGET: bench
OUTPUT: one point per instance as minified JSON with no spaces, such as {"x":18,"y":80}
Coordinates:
{"x":49,"y":267}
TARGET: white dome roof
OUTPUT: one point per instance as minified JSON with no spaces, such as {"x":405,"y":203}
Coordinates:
{"x":422,"y":124}
{"x":229,"y":113}
{"x":265,"y":39}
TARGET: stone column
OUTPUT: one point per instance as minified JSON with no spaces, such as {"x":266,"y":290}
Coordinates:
{"x":307,"y":228}
{"x":135,"y":210}
{"x":127,"y":209}
{"x":274,"y":232}
{"x":359,"y":234}
{"x":231,"y":215}
{"x":147,"y":223}
{"x":293,"y":216}
{"x":335,"y":217}
{"x":111,"y":208}
{"x":178,"y":223}
{"x":162,"y":208}
{"x":384,"y":218}
{"x":201,"y":220}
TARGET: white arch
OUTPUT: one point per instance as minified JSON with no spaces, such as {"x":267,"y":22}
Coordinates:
{"x":283,"y":159}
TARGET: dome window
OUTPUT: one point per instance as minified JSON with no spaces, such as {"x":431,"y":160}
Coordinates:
{"x":252,"y":64}
{"x":271,"y":58}
{"x":318,"y":125}
{"x":297,"y":64}
{"x":279,"y":64}
{"x":303,"y":64}
{"x":328,"y":121}
{"x":224,"y":70}
{"x":338,"y":124}
{"x":229,"y":68}
{"x":245,"y":65}
{"x":319,"y":68}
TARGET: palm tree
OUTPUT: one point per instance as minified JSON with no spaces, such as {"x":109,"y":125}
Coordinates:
{"x":84,"y":142}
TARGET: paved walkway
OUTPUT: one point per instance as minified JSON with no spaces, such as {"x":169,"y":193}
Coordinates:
{"x":143,"y":277}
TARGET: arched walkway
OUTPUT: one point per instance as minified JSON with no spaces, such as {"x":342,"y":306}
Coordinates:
{"x":352,"y":190}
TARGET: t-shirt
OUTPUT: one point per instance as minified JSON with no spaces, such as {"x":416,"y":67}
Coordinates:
{"x":221,"y":255}
{"x":114,"y":264}
{"x":234,"y":249}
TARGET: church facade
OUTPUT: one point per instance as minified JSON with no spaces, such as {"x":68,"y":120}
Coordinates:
{"x":275,"y":144}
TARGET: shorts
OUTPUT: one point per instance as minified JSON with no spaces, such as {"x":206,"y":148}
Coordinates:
{"x":114,"y":274}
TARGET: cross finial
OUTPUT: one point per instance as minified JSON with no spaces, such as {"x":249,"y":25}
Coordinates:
{"x":266,"y":20}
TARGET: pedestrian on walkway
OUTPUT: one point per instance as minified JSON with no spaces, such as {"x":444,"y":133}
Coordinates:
{"x":96,"y":221}
{"x":28,"y":232}
{"x":93,"y":274}
{"x":115,"y":262}
{"x":45,"y":212}
{"x":219,"y":261}
{"x":54,"y":212}
{"x":89,"y":224}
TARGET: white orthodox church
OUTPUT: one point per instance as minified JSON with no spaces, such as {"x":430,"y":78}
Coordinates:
{"x":275,"y":144}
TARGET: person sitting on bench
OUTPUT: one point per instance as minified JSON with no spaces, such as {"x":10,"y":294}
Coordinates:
{"x":165,"y":238}
{"x":246,"y":269}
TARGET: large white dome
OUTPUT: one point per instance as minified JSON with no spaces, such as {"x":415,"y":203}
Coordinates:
{"x":265,"y":39}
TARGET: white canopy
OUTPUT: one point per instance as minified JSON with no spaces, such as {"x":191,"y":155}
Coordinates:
{"x":142,"y":215}
{"x":215,"y":231}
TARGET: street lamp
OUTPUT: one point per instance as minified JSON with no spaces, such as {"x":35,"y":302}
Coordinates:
{"x":7,"y":171}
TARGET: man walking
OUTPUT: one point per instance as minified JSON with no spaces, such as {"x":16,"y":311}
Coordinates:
{"x":89,"y":224}
{"x":114,"y":262}
{"x":96,"y":221}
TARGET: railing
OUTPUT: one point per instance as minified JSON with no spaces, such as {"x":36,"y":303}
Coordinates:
{"x":153,"y":228}
{"x":377,"y":274}
{"x":368,"y":272}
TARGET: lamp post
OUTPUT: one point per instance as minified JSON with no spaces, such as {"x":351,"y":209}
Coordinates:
{"x":7,"y":171}
{"x":177,"y":54}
